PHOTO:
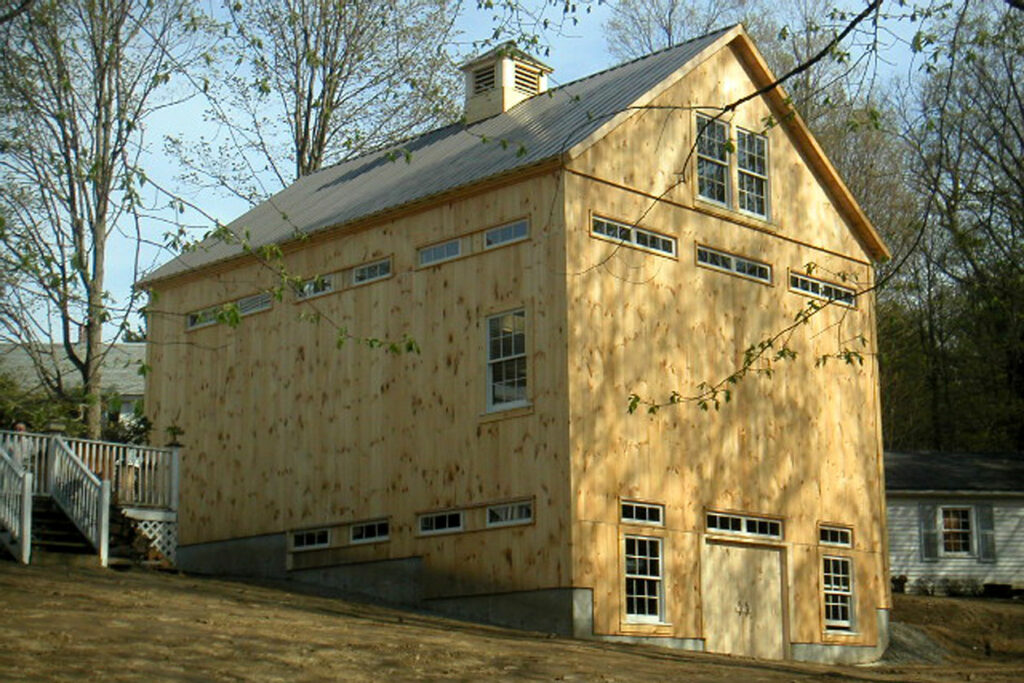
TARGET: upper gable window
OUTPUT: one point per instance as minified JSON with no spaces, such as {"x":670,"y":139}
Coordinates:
{"x":737,"y":181}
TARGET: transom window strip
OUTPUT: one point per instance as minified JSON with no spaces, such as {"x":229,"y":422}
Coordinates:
{"x":247,"y":305}
{"x":821,"y":289}
{"x":835,"y":535}
{"x":956,"y":530}
{"x":377,"y":270}
{"x":712,"y":159}
{"x":366,"y":532}
{"x":506,"y":359}
{"x":315,"y":538}
{"x":440,"y":522}
{"x":639,"y":237}
{"x":643,"y":579}
{"x":838,"y":588}
{"x":644,"y":513}
{"x":745,"y":525}
{"x":734,"y":264}
{"x":508,"y":514}
{"x":513,"y":232}
{"x":203,"y":318}
{"x":437,"y":253}
{"x":752,"y":170}
{"x":315,"y":287}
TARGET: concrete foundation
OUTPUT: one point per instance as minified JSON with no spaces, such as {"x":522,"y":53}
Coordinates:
{"x":845,"y":654}
{"x":397,"y":581}
{"x":255,"y":556}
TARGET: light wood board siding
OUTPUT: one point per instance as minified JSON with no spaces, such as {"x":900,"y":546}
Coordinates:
{"x":905,"y":542}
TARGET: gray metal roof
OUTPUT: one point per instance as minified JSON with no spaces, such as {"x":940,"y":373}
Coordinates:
{"x":538,"y":129}
{"x":999,"y":472}
{"x":120,"y":367}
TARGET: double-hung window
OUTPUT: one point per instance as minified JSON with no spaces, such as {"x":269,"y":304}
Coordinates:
{"x":644,"y":589}
{"x":506,"y":360}
{"x":734,"y":175}
{"x":960,"y":531}
{"x":713,"y":160}
{"x":837,"y":584}
{"x":956,"y":531}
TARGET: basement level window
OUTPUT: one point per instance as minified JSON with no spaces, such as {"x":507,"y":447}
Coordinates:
{"x":369,"y":532}
{"x":316,"y":286}
{"x":506,"y":234}
{"x":719,"y":260}
{"x":378,"y":270}
{"x":438,"y":253}
{"x":311,"y":539}
{"x":634,"y":236}
{"x":509,"y":514}
{"x":835,"y":535}
{"x":744,"y":525}
{"x":253,"y":304}
{"x":643,"y":513}
{"x":820,"y":289}
{"x":441,"y":522}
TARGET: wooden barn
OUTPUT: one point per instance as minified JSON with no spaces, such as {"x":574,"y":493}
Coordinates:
{"x":557,"y":251}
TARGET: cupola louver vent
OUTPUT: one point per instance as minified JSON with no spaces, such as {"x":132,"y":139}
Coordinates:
{"x":483,"y":79}
{"x":527,"y":79}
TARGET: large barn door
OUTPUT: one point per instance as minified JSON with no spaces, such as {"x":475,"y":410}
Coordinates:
{"x":742,"y":598}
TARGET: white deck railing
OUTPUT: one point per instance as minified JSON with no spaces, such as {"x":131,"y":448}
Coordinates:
{"x":82,"y":495}
{"x":30,"y":451}
{"x":16,"y":506}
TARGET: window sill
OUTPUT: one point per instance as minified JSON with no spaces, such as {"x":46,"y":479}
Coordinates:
{"x":736,"y":216}
{"x":510,"y":411}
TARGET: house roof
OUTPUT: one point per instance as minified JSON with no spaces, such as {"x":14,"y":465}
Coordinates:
{"x":910,"y":472}
{"x":120,"y":367}
{"x":539,"y":129}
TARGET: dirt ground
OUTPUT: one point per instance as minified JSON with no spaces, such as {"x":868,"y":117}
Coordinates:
{"x":62,"y":623}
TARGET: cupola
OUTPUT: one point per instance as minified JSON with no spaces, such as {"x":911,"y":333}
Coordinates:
{"x":500,"y":79}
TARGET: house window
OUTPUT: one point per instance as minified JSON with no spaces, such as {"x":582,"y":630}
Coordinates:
{"x":835,"y":535}
{"x":634,"y":236}
{"x":643,"y":579}
{"x":642,"y":513}
{"x":956,"y":530}
{"x":719,"y":260}
{"x":712,"y":160}
{"x":315,"y":287}
{"x":369,"y":532}
{"x":744,"y":525}
{"x":752,"y":172}
{"x":378,"y":270}
{"x":715,"y":172}
{"x":441,"y":522}
{"x":820,"y":289}
{"x":203,"y":318}
{"x":505,"y":234}
{"x":506,"y":360}
{"x":312,"y":539}
{"x":837,"y":583}
{"x":438,"y":253}
{"x":509,"y":514}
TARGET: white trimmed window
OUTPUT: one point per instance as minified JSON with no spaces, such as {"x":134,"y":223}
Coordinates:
{"x":634,"y":236}
{"x":735,"y":180}
{"x":441,"y":522}
{"x":719,"y":260}
{"x":820,"y":289}
{"x":378,"y":270}
{"x":315,"y":287}
{"x":713,"y":160}
{"x":644,"y":590}
{"x":509,"y":514}
{"x":311,"y":539}
{"x":203,"y":318}
{"x":956,"y":531}
{"x":837,"y":584}
{"x":752,"y":172}
{"x":438,"y":253}
{"x":643,"y":513}
{"x":744,"y":525}
{"x":835,"y":535}
{"x":506,"y":234}
{"x":506,"y":360}
{"x":369,"y":532}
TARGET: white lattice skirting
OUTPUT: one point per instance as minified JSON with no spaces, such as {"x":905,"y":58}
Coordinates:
{"x":159,"y":528}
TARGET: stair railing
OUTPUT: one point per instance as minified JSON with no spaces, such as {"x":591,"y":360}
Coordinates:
{"x":141,"y":476}
{"x":31,"y":449}
{"x":16,"y":506}
{"x":82,"y":496}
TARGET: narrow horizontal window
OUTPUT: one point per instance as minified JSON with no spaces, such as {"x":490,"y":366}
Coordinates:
{"x":513,"y":232}
{"x":378,"y":270}
{"x":309,"y":540}
{"x":253,"y":304}
{"x":632,"y":235}
{"x":510,"y":513}
{"x":643,"y":513}
{"x":744,"y":525}
{"x":835,"y":535}
{"x":315,"y":287}
{"x":441,"y":522}
{"x":369,"y":532}
{"x":203,"y":318}
{"x":821,"y":289}
{"x":719,"y":260}
{"x":440,"y":252}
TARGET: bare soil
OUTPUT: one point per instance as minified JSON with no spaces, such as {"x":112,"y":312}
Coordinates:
{"x":65,"y":623}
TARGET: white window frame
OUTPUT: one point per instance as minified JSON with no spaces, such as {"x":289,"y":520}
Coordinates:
{"x":832,"y":534}
{"x":367,"y":269}
{"x":751,"y":172}
{"x":732,"y":264}
{"x":314,"y":287}
{"x":374,"y":526}
{"x":515,"y":357}
{"x":635,"y":512}
{"x":745,"y":522}
{"x":207,"y":317}
{"x":632,"y":236}
{"x":838,"y":593}
{"x":314,"y":544}
{"x":729,"y":159}
{"x":514,"y":511}
{"x":971,"y":531}
{"x":717,"y":158}
{"x":638,"y":571}
{"x":509,"y":233}
{"x":446,"y":530}
{"x":423,"y":252}
{"x":818,"y":289}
